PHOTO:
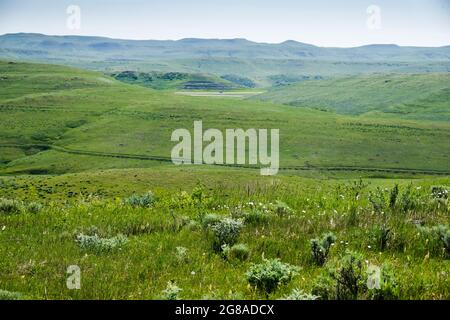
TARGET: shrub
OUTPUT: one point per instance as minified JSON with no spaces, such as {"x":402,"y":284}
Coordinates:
{"x":297,"y":294}
{"x":226,"y":232}
{"x":144,"y":201}
{"x":439,"y":192}
{"x":382,"y":237}
{"x":349,"y":277}
{"x":8,"y":295}
{"x":270,"y":274}
{"x":320,"y":248}
{"x":237,"y":252}
{"x":324,"y":287}
{"x":441,"y":236}
{"x":8,"y":206}
{"x":172,"y":291}
{"x":98,"y":244}
{"x":408,"y":199}
{"x":393,"y":195}
{"x":386,"y":288}
{"x":378,"y":200}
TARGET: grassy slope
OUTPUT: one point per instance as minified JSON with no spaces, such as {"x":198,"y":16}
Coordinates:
{"x":419,"y":96}
{"x":39,"y":247}
{"x":175,"y":80}
{"x":91,"y":112}
{"x":87,"y":111}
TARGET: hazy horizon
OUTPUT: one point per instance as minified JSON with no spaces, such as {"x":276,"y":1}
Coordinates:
{"x":186,"y":38}
{"x":350,"y":23}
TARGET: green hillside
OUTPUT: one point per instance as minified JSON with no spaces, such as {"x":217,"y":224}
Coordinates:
{"x":415,"y":96}
{"x":85,"y":180}
{"x":176,"y":80}
{"x":54,"y":116}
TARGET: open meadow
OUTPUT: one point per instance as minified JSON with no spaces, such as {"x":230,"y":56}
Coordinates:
{"x":87,"y":181}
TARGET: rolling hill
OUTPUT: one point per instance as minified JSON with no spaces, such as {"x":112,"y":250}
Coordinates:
{"x":416,"y":96}
{"x":59,"y":120}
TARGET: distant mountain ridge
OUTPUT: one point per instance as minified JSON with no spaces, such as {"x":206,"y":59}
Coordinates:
{"x":219,"y":48}
{"x":221,"y":56}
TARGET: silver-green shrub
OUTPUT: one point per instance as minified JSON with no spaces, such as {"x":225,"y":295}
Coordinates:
{"x":100,"y":245}
{"x":226,"y":232}
{"x":270,"y":274}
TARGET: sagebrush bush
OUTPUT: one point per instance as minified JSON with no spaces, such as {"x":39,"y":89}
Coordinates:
{"x":171,"y":292}
{"x":8,"y":206}
{"x":321,"y":247}
{"x":270,"y":274}
{"x":145,"y":200}
{"x":237,"y":252}
{"x":98,"y":244}
{"x":297,"y":294}
{"x":226,"y":232}
{"x":8,"y":295}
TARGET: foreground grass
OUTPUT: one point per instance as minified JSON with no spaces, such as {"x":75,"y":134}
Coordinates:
{"x":38,"y":247}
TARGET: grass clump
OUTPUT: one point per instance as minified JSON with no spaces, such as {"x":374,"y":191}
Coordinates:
{"x":270,"y":274}
{"x":210,"y":219}
{"x":255,"y":217}
{"x":238,"y":252}
{"x":99,"y":244}
{"x":34,"y":207}
{"x":280,"y":208}
{"x":321,"y":247}
{"x":9,"y":206}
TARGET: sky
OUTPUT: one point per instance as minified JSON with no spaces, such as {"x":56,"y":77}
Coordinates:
{"x":344,"y":23}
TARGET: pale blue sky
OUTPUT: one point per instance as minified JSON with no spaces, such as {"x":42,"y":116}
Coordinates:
{"x":320,"y":22}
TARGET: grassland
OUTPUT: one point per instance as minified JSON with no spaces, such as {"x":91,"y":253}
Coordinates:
{"x":38,"y":247}
{"x":79,"y":150}
{"x":413,"y":96}
{"x":88,"y":112}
